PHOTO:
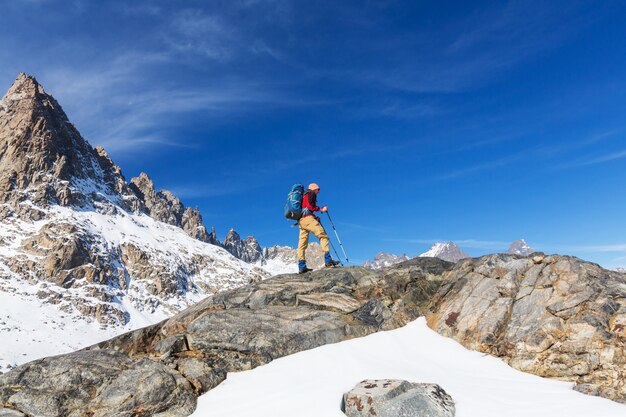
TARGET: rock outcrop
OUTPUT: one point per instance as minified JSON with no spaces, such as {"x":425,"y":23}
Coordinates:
{"x":554,"y":316}
{"x":159,"y":370}
{"x":247,"y":250}
{"x":397,"y":398}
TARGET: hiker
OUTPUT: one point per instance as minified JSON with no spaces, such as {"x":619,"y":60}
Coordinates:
{"x":309,"y":222}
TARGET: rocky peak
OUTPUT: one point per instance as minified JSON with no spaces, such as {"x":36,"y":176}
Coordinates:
{"x":42,"y":153}
{"x":213,"y":237}
{"x":448,"y":251}
{"x":247,"y":250}
{"x":167,"y":208}
{"x":520,"y":247}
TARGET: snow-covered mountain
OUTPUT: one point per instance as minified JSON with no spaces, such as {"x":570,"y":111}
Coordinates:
{"x":84,"y":248}
{"x":520,"y":247}
{"x":382,"y":260}
{"x":448,"y":251}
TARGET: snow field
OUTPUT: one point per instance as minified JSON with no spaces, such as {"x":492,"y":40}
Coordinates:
{"x":312,"y":383}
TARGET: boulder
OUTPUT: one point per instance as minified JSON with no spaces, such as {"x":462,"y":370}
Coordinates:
{"x":553,"y":316}
{"x":397,"y":398}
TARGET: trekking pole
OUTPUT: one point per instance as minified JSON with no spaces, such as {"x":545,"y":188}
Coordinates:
{"x":336,"y":234}
{"x":335,"y":250}
{"x":331,"y":244}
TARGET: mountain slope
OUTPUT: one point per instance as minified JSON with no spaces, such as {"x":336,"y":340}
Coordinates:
{"x":75,"y":236}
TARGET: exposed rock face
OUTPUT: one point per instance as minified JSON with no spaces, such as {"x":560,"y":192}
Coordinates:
{"x":190,"y":353}
{"x":74,"y":227}
{"x":165,"y":207}
{"x":397,"y":398}
{"x":553,"y":316}
{"x":447,"y":251}
{"x":213,"y":238}
{"x":247,"y":250}
{"x":550,"y":315}
{"x":382,"y":260}
{"x":43,"y":158}
{"x":520,"y":247}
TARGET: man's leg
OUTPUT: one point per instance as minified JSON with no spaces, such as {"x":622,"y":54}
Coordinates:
{"x":316,"y":228}
{"x":320,"y":233}
{"x":303,"y":243}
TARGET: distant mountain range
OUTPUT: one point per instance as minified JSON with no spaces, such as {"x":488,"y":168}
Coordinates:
{"x":448,"y":251}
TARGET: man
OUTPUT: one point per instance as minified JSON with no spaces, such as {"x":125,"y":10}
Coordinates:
{"x":310,"y":223}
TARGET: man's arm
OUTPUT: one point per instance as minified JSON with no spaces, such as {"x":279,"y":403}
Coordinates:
{"x":313,"y":202}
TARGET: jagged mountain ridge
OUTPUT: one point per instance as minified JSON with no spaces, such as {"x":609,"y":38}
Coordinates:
{"x":448,"y":251}
{"x":76,"y":236}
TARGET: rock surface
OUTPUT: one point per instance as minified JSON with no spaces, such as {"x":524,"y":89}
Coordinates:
{"x":247,"y":250}
{"x":397,"y":398}
{"x":235,"y":330}
{"x":554,"y":316}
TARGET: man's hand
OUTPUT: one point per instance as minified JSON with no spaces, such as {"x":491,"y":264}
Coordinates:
{"x":324,"y":209}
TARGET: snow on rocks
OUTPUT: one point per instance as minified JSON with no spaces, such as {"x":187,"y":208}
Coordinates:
{"x":77,"y":238}
{"x":448,"y":251}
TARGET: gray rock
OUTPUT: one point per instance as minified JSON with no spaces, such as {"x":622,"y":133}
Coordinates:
{"x":5,"y":412}
{"x":159,"y":370}
{"x":554,"y":316}
{"x":247,"y":250}
{"x":397,"y":398}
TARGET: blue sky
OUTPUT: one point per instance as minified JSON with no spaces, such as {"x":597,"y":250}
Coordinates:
{"x":477,"y":122}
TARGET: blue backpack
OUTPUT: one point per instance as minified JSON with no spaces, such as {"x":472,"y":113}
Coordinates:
{"x":293,"y":206}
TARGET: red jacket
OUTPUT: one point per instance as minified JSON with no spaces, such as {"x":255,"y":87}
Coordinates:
{"x":309,"y":204}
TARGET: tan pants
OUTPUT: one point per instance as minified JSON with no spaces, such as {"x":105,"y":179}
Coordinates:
{"x":310,"y":224}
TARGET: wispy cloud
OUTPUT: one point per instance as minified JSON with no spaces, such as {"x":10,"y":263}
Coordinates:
{"x":595,"y":160}
{"x":195,"y":31}
{"x":477,"y":48}
{"x":361,"y":227}
{"x":115,"y":106}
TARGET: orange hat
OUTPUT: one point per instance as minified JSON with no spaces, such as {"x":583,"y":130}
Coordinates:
{"x":314,"y":187}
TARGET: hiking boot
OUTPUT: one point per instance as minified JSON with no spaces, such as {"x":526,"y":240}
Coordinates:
{"x":331,"y":264}
{"x":304,"y":271}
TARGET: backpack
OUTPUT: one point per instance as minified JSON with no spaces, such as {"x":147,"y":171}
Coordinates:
{"x":293,"y":206}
